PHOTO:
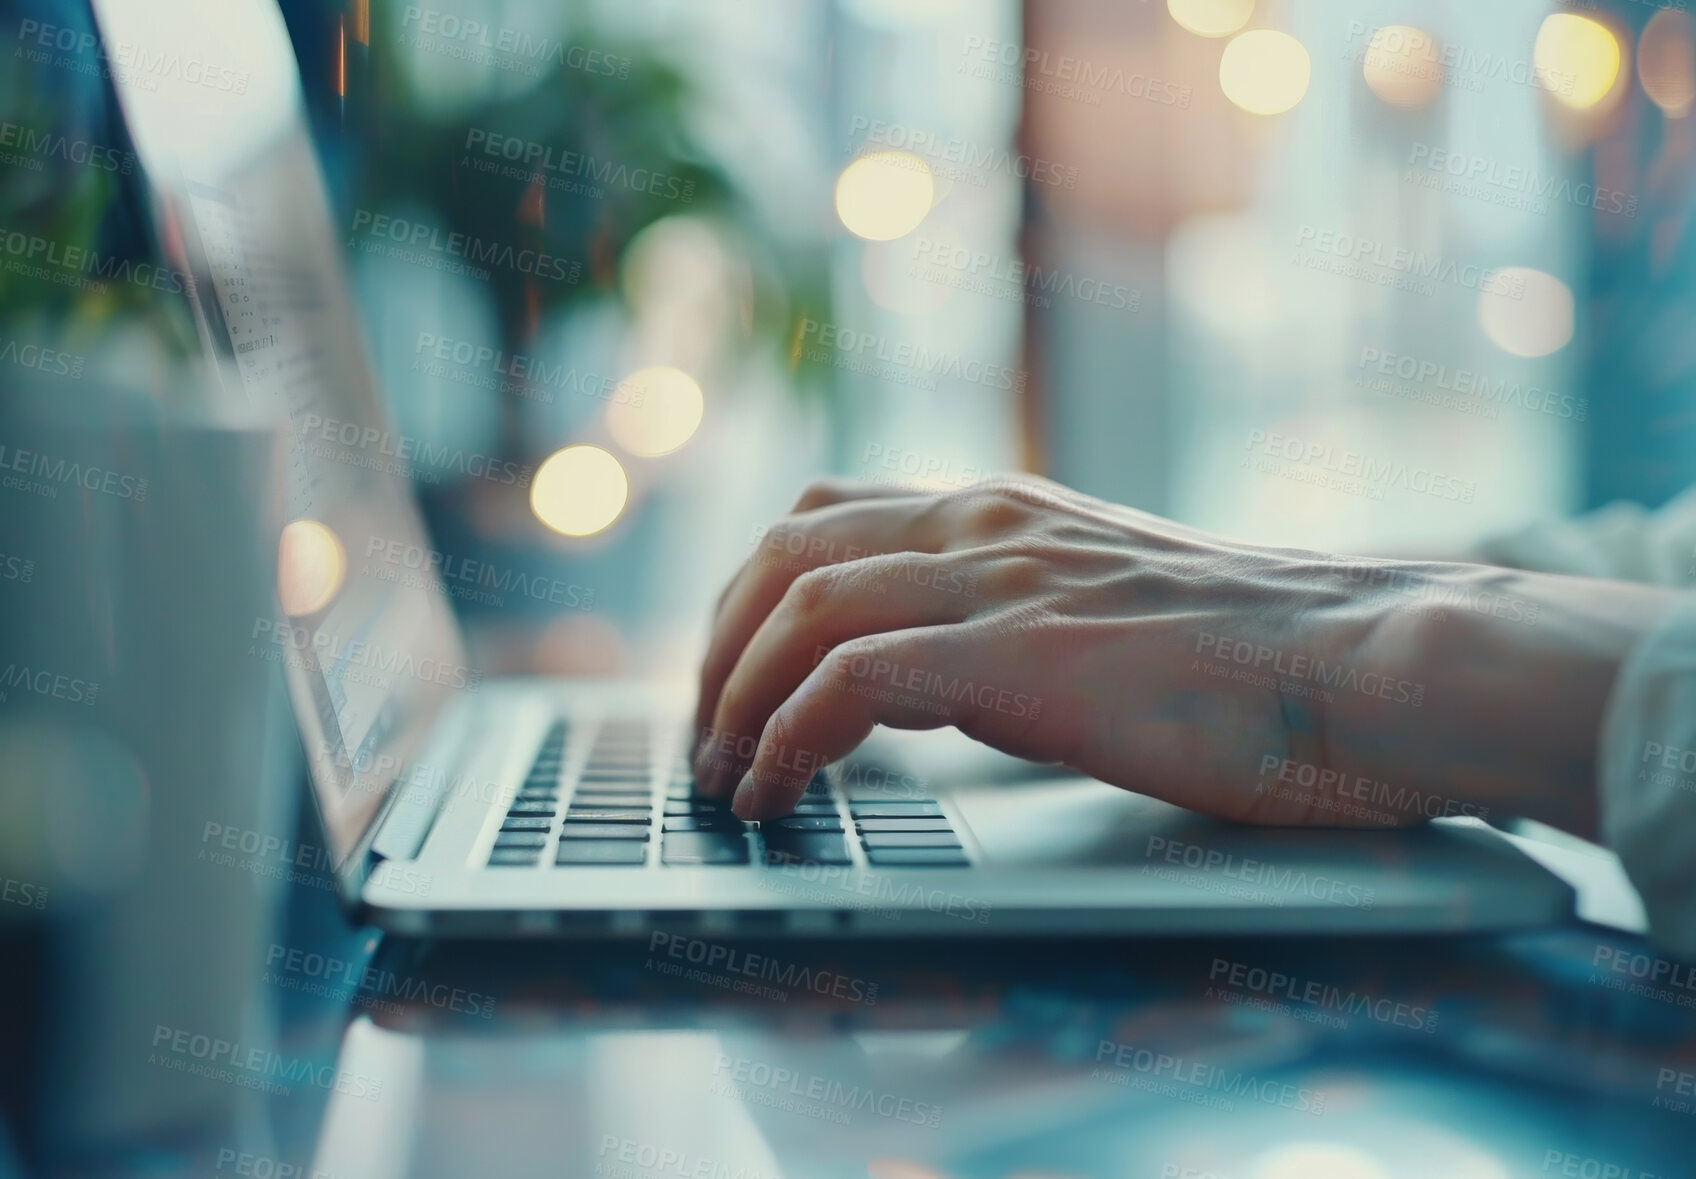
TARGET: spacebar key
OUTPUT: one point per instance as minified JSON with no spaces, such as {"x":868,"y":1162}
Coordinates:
{"x":704,"y":847}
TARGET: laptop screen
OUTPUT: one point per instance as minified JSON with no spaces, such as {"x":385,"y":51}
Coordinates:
{"x":210,"y":96}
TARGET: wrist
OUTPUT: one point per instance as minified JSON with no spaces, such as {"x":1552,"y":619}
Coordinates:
{"x":1516,"y":670}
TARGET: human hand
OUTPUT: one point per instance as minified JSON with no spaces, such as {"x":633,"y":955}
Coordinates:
{"x":1043,"y":622}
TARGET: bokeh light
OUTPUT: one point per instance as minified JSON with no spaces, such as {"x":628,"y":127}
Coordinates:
{"x":1403,"y":66}
{"x":1576,"y":59}
{"x":311,"y":567}
{"x":1264,"y":71}
{"x":1536,"y":323}
{"x":884,"y":195}
{"x":579,"y":490}
{"x":1317,"y":1160}
{"x":655,"y":411}
{"x":1666,"y":61}
{"x":1211,"y":18}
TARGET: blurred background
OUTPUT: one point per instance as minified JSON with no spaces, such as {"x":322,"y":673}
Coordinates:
{"x":1212,"y":258}
{"x":1361,"y":275}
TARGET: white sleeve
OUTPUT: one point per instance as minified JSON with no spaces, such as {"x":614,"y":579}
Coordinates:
{"x":1622,"y":541}
{"x":1647,"y":776}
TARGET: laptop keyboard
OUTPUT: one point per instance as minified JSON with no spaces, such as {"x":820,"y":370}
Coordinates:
{"x":617,"y":814}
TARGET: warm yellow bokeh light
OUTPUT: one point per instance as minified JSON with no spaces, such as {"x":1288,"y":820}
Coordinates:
{"x":579,"y":490}
{"x":1403,"y":66}
{"x":884,"y":195}
{"x":311,"y":567}
{"x":1577,"y":59}
{"x":1264,"y":71}
{"x":1536,"y":323}
{"x":1666,"y":62}
{"x":1211,"y":18}
{"x":655,"y":411}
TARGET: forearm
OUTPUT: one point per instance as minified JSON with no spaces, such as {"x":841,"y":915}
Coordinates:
{"x":1515,"y":669}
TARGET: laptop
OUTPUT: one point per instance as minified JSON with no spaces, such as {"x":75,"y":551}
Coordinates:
{"x":452,"y":805}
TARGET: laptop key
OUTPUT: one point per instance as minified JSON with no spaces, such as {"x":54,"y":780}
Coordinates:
{"x":602,"y":852}
{"x":696,"y":806}
{"x":704,"y":847}
{"x":608,"y":814}
{"x":883,"y":839}
{"x":526,"y":824}
{"x":635,"y":831}
{"x":593,"y":798}
{"x":893,"y":810}
{"x":917,"y":857}
{"x":512,"y":839}
{"x":805,"y":823}
{"x":531,"y":810}
{"x":921,"y":823}
{"x":809,"y":848}
{"x":513,"y":857}
{"x":726,"y":822}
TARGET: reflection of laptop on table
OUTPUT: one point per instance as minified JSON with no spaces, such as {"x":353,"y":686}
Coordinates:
{"x":558,"y":808}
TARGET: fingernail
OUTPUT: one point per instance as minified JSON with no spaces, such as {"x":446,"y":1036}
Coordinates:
{"x":743,"y":804}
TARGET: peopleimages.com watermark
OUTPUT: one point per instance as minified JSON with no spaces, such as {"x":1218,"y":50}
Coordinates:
{"x":1196,"y":1082}
{"x":48,"y":361}
{"x":899,"y":466}
{"x":389,"y":453}
{"x":16,"y":568}
{"x":1012,"y":279}
{"x":263,"y":1166}
{"x":1675,"y":1091}
{"x":1320,"y":464}
{"x":811,"y":1095}
{"x":1062,"y":75}
{"x":46,"y":684}
{"x":625,"y":1158}
{"x":1578,"y":1166}
{"x":789,"y":550}
{"x":1462,"y":389}
{"x":261,"y":854}
{"x":1647,"y":975}
{"x":345,"y":982}
{"x":356,"y":661}
{"x":29,"y":255}
{"x":483,"y":367}
{"x":446,"y":34}
{"x":80,"y":51}
{"x":1399,"y":267}
{"x":252,"y":1067}
{"x":1246,"y":878}
{"x":32,"y":149}
{"x":957,"y":159}
{"x":1415,"y":54}
{"x":1353,"y":795}
{"x":715,"y":964}
{"x":572,"y":173}
{"x":1667,"y":765}
{"x":468,"y":580}
{"x":38,"y":473}
{"x":919,"y":688}
{"x":22,"y":893}
{"x":1512,"y":187}
{"x":1436,"y":597}
{"x":1297,"y":673}
{"x":1241,"y":984}
{"x":899,"y":362}
{"x":454,"y":252}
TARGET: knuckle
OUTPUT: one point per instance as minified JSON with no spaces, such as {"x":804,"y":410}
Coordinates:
{"x":819,"y":493}
{"x":811,"y":593}
{"x":1020,"y":574}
